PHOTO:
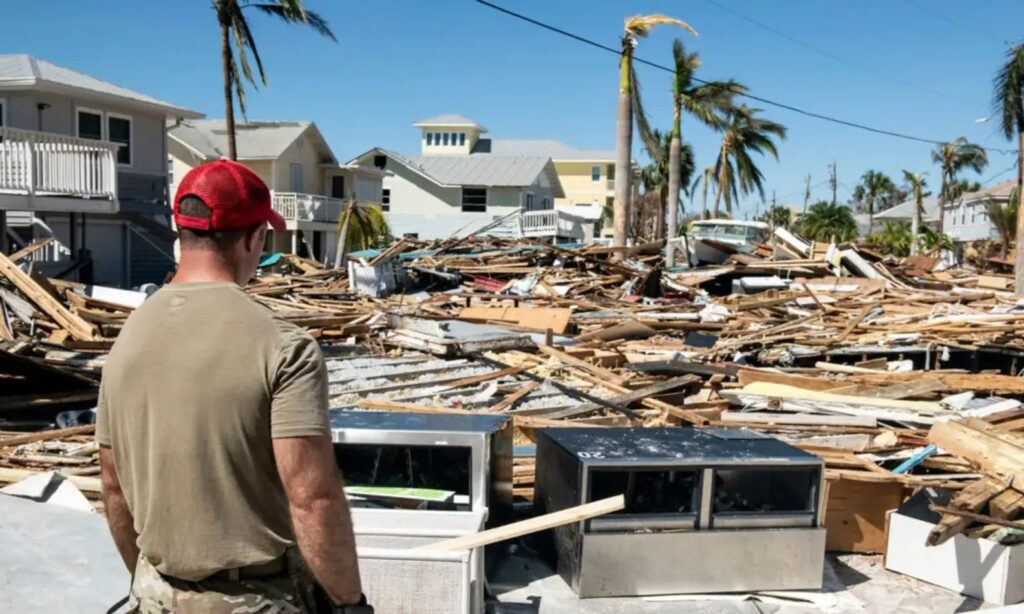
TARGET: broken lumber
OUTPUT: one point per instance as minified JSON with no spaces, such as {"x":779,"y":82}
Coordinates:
{"x":76,"y":326}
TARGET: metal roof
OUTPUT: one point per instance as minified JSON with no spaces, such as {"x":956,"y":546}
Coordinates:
{"x":25,"y":71}
{"x":488,"y":170}
{"x":449,"y":119}
{"x":542,"y":148}
{"x":905,"y":211}
{"x":255,"y":139}
{"x":998,"y":191}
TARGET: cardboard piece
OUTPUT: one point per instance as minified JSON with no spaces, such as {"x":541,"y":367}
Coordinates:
{"x":978,"y":568}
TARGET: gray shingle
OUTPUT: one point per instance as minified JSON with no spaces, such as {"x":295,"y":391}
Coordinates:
{"x":26,"y":71}
{"x":482,"y":170}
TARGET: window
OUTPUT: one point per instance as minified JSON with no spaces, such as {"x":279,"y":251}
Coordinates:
{"x":430,"y":138}
{"x":170,"y":171}
{"x":119,"y":130}
{"x":546,"y":203}
{"x":529,"y":201}
{"x":462,"y":138}
{"x":474,"y":200}
{"x":611,"y":172}
{"x":444,"y":138}
{"x":338,"y":186}
{"x":90,"y":125}
{"x":3,"y":110}
{"x":296,"y":177}
{"x":385,"y":199}
{"x":974,"y":214}
{"x":455,"y":138}
{"x":595,"y":173}
{"x":963,"y":215}
{"x":380,"y":161}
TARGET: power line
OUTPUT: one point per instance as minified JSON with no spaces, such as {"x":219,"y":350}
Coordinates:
{"x":941,"y":17}
{"x":836,"y":58}
{"x":780,"y":105}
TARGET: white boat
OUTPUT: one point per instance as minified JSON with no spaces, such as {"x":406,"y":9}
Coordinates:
{"x":713,"y":241}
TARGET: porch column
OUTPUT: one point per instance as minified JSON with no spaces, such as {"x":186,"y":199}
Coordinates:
{"x":3,"y":231}
{"x":295,"y":241}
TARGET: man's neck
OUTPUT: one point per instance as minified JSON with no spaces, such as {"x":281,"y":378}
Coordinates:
{"x":201,"y":267}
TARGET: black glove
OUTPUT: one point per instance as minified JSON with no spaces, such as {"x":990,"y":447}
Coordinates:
{"x":356,"y":608}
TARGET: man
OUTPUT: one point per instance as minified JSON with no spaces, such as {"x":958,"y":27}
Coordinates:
{"x":214,"y":444}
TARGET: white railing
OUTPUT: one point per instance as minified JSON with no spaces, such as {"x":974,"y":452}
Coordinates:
{"x":54,"y":251}
{"x":552,"y":223}
{"x":308,"y":207}
{"x":41,"y":163}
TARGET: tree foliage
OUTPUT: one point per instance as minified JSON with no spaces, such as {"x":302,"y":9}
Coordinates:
{"x":743,"y":134}
{"x":826,"y":222}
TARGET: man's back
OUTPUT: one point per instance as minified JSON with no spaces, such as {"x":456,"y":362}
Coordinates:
{"x":199,"y":381}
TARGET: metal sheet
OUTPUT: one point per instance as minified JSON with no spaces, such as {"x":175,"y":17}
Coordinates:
{"x":700,"y":562}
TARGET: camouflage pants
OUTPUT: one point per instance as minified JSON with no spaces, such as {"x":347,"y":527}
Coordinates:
{"x":287,"y":593}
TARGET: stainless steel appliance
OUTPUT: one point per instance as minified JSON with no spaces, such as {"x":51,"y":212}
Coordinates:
{"x":707,"y":510}
{"x":396,"y":464}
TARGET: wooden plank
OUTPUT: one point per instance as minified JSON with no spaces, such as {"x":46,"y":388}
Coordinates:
{"x":863,"y":313}
{"x":570,"y":515}
{"x":1007,"y":504}
{"x":981,"y":448}
{"x":750,"y":376}
{"x":855,"y":514}
{"x":535,"y":318}
{"x":76,"y":326}
{"x":982,"y":518}
{"x":628,"y":397}
{"x":31,"y":248}
{"x":486,"y":377}
{"x":973,"y":498}
{"x":797,"y":419}
{"x":18,"y":440}
{"x":509,"y":401}
{"x":581,"y":364}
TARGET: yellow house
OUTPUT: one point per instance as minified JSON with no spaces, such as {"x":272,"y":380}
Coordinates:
{"x":308,"y":186}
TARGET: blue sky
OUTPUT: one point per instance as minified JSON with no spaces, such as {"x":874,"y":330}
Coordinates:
{"x":922,"y":67}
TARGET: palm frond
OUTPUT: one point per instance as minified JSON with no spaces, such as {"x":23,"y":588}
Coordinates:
{"x":640,"y":26}
{"x":650,"y":139}
{"x":1008,"y":92}
{"x":293,"y":11}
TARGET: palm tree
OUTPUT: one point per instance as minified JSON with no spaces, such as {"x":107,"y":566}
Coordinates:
{"x":700,"y":100}
{"x":629,"y":103}
{"x":743,"y":133}
{"x":234,"y":25}
{"x":825,"y":221}
{"x":706,"y":178}
{"x":917,"y":183}
{"x":362,"y":226}
{"x":1004,"y":218}
{"x":657,"y":177}
{"x":777,"y":216}
{"x":894,"y":238}
{"x":873,"y":186}
{"x":953,"y":157}
{"x":1008,"y":100}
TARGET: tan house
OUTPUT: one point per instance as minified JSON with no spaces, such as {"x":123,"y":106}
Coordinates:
{"x":309,"y":188}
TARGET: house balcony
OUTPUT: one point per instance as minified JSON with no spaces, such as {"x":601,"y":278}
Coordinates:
{"x":41,"y":171}
{"x":306,"y":210}
{"x":553,"y":223}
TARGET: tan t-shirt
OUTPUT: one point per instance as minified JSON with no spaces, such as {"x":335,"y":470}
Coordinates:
{"x":200,"y":380}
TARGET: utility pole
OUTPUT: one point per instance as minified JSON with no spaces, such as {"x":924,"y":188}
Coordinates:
{"x":807,"y":192}
{"x":832,"y":180}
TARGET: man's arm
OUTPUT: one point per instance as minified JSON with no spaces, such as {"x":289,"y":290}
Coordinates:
{"x":119,"y":517}
{"x":320,"y":514}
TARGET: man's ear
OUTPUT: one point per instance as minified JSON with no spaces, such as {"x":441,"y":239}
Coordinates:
{"x":255,"y":237}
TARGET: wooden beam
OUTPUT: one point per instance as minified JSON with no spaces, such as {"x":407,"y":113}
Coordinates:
{"x":509,"y":401}
{"x":581,"y":364}
{"x":86,"y":484}
{"x":981,"y":518}
{"x":76,"y":326}
{"x":973,"y":498}
{"x":750,"y":376}
{"x":486,"y":377}
{"x":629,"y":397}
{"x":1007,"y":504}
{"x":532,"y":525}
{"x":982,"y":448}
{"x":18,"y":440}
{"x":796,"y":419}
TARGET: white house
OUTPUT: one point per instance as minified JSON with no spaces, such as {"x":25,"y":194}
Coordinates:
{"x":966,"y":219}
{"x":308,"y":186}
{"x":84,"y":161}
{"x":462,"y":182}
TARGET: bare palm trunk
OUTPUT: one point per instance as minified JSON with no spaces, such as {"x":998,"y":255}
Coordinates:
{"x":623,"y":147}
{"x":1019,"y":249}
{"x":339,"y":251}
{"x":704,"y":205}
{"x":659,"y":220}
{"x":229,"y":104}
{"x":915,"y":226}
{"x":674,"y":152}
{"x":942,"y":204}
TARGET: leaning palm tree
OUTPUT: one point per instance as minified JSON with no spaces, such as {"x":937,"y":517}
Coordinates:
{"x":701,"y":100}
{"x":825,"y":221}
{"x":917,"y":183}
{"x":743,"y":133}
{"x":1008,"y":100}
{"x":953,"y":157}
{"x":629,"y":105}
{"x":1004,"y":219}
{"x":874,"y":185}
{"x":362,"y":226}
{"x":657,"y":177}
{"x":233,"y":25}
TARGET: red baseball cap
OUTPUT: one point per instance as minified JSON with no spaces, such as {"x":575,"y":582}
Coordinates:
{"x":236,"y":196}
